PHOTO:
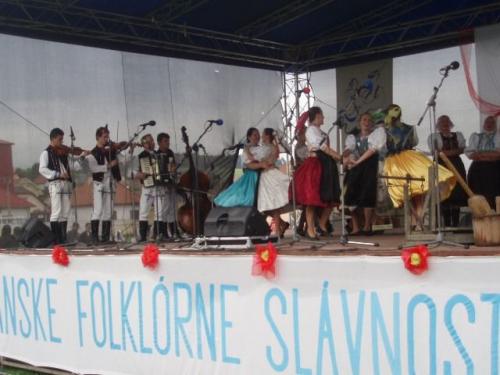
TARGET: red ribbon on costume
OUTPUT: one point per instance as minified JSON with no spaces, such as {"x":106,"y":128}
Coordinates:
{"x":60,"y":256}
{"x":150,"y":256}
{"x":264,"y":261}
{"x":301,"y":122}
{"x":415,"y":259}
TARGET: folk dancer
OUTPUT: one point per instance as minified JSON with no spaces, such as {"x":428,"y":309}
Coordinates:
{"x":316,"y":180}
{"x":361,"y":157}
{"x":402,"y":160}
{"x":54,"y":166}
{"x":452,"y":144}
{"x":273,"y":184}
{"x":484,"y":151}
{"x":243,"y":191}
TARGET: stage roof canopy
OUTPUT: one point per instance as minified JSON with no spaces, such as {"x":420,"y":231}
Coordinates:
{"x":271,"y":34}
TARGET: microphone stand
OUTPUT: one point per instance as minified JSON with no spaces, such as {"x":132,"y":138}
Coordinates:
{"x":344,"y":236}
{"x":196,"y":209}
{"x":73,"y":179}
{"x":430,"y":109}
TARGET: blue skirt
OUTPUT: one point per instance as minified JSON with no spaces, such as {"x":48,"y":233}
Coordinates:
{"x":241,"y":192}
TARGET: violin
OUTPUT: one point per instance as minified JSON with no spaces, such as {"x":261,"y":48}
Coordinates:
{"x":120,"y":146}
{"x":63,"y":150}
{"x":193,"y":213}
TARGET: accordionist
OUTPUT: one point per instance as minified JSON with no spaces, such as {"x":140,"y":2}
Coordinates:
{"x":166,"y":189}
{"x":145,"y":172}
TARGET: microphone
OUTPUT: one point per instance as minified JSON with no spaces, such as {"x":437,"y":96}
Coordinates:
{"x":149,"y":123}
{"x":454,"y":65}
{"x":216,"y":122}
{"x":71,"y":133}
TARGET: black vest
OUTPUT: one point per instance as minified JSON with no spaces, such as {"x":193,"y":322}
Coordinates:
{"x":102,"y":156}
{"x":55,"y":162}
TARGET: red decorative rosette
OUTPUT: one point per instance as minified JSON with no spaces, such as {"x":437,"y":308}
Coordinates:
{"x":264,"y":261}
{"x":150,"y":256}
{"x":415,"y":259}
{"x":60,"y":255}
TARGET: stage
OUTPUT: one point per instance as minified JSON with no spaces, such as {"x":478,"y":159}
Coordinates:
{"x":388,"y":245}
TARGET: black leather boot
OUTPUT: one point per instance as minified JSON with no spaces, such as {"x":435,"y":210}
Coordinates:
{"x":63,"y":228}
{"x":94,"y":227}
{"x":106,"y":231}
{"x":54,"y":227}
{"x":143,"y":231}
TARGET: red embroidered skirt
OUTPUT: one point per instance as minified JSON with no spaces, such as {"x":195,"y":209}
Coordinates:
{"x":307,"y":182}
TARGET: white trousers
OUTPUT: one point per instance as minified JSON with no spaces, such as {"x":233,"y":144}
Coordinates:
{"x":103,"y":201}
{"x":161,"y":199}
{"x":60,"y":200}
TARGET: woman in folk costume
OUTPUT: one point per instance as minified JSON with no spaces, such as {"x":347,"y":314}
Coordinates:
{"x":316,"y":181}
{"x":403,"y":160}
{"x":361,"y":157}
{"x":452,"y":144}
{"x":272,"y":194}
{"x":484,"y":151}
{"x":243,"y":191}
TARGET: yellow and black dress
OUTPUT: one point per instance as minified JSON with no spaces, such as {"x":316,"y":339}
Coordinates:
{"x":402,"y":160}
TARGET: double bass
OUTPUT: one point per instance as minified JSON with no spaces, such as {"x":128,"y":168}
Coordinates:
{"x":193,"y":213}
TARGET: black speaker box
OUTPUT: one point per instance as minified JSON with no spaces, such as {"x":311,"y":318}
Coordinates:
{"x":235,"y":222}
{"x":35,"y":233}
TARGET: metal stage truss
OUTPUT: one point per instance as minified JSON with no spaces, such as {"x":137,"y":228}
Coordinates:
{"x":295,"y":36}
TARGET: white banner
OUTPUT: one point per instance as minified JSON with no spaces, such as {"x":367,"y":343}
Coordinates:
{"x":362,"y":88}
{"x":208,"y":315}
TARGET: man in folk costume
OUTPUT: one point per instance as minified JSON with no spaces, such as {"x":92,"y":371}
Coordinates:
{"x":103,"y":164}
{"x":149,"y":197}
{"x":54,"y":166}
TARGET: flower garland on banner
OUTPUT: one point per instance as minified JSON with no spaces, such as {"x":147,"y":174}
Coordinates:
{"x":264,"y":261}
{"x":150,"y":256}
{"x":60,"y":256}
{"x":415,"y":259}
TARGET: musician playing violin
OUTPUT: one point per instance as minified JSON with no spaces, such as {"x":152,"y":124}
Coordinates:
{"x":147,"y":158}
{"x":103,"y":164}
{"x":54,"y":166}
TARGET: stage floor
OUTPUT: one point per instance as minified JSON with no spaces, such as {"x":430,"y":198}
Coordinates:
{"x":388,"y":245}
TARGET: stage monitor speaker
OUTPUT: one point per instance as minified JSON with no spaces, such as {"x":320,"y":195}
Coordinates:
{"x":35,"y":233}
{"x":235,"y":222}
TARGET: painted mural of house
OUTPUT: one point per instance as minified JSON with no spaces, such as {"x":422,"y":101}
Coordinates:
{"x":14,"y":210}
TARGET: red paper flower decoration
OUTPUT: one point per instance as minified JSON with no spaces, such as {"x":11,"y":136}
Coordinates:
{"x":60,"y":256}
{"x":264,"y":261}
{"x":150,"y":256}
{"x":415,"y":259}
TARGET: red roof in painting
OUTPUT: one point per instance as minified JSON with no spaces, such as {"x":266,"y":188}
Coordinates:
{"x":84,"y":196}
{"x":11,"y":200}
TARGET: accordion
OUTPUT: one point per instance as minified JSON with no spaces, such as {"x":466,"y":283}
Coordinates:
{"x":149,"y":166}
